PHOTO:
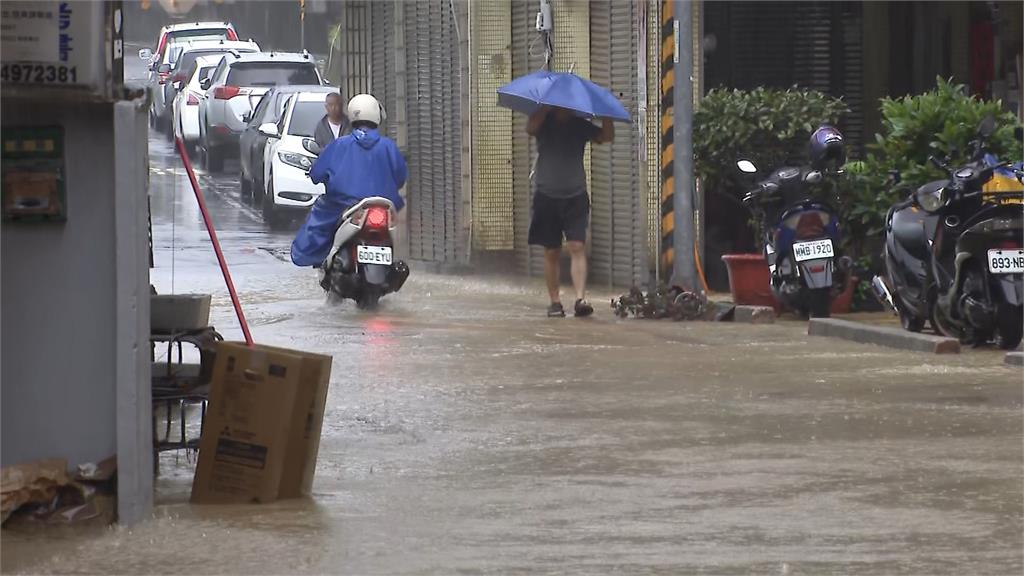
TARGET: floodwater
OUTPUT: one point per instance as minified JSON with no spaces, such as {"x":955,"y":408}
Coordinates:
{"x":467,"y":433}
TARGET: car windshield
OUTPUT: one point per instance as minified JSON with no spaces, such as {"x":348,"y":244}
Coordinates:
{"x":272,"y":74}
{"x":211,"y":33}
{"x":187,"y":59}
{"x":304,"y":118}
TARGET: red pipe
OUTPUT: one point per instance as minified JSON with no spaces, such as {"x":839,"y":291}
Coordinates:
{"x":213,"y":238}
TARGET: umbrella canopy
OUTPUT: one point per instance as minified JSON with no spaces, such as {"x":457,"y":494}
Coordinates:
{"x":526,"y":93}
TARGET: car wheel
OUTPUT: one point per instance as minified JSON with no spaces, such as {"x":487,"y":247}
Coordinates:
{"x":268,"y":208}
{"x":246,"y":190}
{"x":214,"y":159}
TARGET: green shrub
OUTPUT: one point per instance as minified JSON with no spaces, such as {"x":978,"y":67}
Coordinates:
{"x":940,"y":122}
{"x":767,"y":126}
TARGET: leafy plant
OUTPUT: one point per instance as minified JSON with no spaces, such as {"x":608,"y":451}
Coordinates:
{"x":941,"y":122}
{"x":767,"y":126}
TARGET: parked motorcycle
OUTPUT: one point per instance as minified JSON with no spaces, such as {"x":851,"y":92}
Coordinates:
{"x":953,"y":254}
{"x":360,"y":265}
{"x":801,"y":237}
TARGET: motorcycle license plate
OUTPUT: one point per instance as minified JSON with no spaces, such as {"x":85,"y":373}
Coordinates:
{"x":373,"y":255}
{"x":813,"y":250}
{"x":1006,"y":261}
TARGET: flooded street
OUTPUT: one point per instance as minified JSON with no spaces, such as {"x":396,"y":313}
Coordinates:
{"x":467,"y":433}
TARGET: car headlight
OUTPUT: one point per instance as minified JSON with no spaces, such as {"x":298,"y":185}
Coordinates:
{"x":300,"y":161}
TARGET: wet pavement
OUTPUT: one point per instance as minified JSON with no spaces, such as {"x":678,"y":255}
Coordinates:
{"x":467,"y":433}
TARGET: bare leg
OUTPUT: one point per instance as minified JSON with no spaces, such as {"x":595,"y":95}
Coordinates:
{"x":552,"y":256}
{"x":579,"y":268}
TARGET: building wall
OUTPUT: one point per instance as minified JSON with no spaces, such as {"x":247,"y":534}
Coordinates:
{"x":58,"y":314}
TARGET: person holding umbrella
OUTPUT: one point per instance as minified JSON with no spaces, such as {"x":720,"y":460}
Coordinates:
{"x":561,"y":205}
{"x":561,"y":106}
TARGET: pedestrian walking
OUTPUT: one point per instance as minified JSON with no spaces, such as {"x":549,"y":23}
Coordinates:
{"x":561,"y":205}
{"x":334,"y":124}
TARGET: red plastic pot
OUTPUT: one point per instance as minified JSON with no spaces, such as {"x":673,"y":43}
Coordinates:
{"x":749,"y":280}
{"x":841,"y":303}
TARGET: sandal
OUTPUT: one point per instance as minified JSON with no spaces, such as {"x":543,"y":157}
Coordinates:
{"x":583,"y":308}
{"x":556,"y":310}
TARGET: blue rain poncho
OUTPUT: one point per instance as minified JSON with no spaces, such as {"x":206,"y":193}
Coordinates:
{"x":353,"y":168}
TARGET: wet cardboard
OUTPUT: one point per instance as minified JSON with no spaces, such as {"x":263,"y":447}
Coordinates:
{"x":307,"y":423}
{"x":284,"y":418}
{"x":245,"y":434}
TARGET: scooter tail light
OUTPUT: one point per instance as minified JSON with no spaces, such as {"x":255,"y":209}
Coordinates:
{"x":377,"y":218}
{"x":1008,"y":244}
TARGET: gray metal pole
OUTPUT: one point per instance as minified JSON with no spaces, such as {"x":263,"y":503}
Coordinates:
{"x":684,"y":270}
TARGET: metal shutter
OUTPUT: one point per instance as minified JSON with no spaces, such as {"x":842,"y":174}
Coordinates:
{"x":434,"y":131}
{"x":619,"y":234}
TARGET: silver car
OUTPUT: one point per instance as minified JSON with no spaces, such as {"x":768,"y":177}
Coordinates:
{"x":234,"y":89}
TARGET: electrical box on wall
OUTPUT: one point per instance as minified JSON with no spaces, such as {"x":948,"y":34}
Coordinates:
{"x":33,"y":174}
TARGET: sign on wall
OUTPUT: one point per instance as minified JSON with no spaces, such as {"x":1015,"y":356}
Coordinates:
{"x":61,"y":44}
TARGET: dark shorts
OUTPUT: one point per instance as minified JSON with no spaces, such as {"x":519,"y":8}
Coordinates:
{"x":554,"y":218}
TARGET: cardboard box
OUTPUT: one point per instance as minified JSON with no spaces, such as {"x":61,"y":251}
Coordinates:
{"x":262,"y":430}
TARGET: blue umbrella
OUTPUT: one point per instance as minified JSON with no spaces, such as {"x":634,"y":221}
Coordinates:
{"x":526,"y":93}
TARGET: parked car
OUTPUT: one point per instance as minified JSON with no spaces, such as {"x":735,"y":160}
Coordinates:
{"x":182,"y":55}
{"x":252,"y":142}
{"x":176,"y":32}
{"x":185,"y":115}
{"x":235,"y":88}
{"x":287,"y":158}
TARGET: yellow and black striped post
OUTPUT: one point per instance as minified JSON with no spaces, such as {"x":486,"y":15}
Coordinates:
{"x":667,"y":131}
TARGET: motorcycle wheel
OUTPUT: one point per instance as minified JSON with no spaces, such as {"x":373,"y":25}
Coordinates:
{"x":819,"y":302}
{"x":370,"y":298}
{"x":1009,"y":326}
{"x":974,"y":286}
{"x":911,"y":323}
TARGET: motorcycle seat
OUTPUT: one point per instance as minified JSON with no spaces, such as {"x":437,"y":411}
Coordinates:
{"x":908,"y":229}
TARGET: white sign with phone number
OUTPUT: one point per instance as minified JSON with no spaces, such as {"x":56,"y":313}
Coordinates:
{"x":52,"y":42}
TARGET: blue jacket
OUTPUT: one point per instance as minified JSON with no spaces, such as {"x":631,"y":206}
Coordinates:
{"x":353,"y":168}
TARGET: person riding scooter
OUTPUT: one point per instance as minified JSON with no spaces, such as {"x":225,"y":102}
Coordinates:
{"x":355,"y":167}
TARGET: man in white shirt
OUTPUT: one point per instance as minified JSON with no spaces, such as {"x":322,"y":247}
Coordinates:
{"x":334,"y":124}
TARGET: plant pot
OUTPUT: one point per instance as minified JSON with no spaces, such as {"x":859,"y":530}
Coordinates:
{"x":749,"y":280}
{"x":841,"y":303}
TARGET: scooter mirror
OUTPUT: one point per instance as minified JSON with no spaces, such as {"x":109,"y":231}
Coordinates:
{"x":746,"y":166}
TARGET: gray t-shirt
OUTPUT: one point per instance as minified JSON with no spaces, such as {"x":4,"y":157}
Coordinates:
{"x":559,"y":171}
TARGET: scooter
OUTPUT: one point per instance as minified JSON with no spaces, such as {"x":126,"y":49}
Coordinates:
{"x":801,"y":238}
{"x":954,"y":256}
{"x":360,"y":265}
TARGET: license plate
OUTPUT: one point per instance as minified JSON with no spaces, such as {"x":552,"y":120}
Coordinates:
{"x":1006,"y":261}
{"x":373,"y":255}
{"x":813,"y":250}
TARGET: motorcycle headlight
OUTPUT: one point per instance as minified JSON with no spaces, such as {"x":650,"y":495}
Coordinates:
{"x":300,"y":161}
{"x":933,"y":200}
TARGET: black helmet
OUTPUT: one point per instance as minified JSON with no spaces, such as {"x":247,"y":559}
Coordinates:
{"x":826,"y":147}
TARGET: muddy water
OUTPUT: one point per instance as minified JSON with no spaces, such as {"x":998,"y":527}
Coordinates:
{"x":465,"y":433}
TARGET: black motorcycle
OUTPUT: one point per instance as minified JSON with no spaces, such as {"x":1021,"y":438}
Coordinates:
{"x":953,"y":254}
{"x":801,"y":237}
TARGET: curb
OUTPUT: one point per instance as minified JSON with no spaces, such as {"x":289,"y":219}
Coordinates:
{"x":1014,"y":359}
{"x":754,"y":315}
{"x":882,"y":336}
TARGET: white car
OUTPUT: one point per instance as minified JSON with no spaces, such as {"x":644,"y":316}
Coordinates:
{"x":286,"y":161}
{"x":182,"y":56}
{"x":234,"y":89}
{"x":186,"y":104}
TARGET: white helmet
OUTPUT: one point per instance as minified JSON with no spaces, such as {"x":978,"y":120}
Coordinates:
{"x":366,"y":108}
